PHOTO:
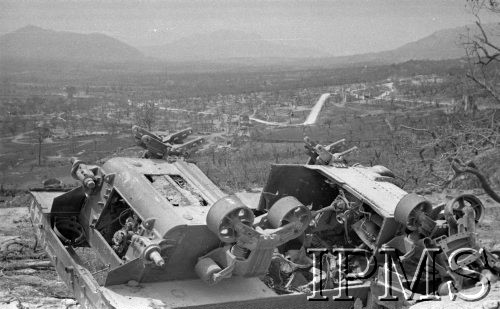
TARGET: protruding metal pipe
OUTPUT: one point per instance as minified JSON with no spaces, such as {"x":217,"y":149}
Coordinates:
{"x":329,"y":147}
{"x":155,"y":256}
{"x":343,"y":153}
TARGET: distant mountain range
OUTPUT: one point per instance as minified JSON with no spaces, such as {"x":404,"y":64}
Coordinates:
{"x":441,"y":45}
{"x":228,"y":44}
{"x":35,"y":43}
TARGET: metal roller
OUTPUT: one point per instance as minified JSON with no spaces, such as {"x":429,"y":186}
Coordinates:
{"x":409,"y":208}
{"x":223,"y":213}
{"x":453,"y":209}
{"x":206,"y":268}
{"x":288,"y":210}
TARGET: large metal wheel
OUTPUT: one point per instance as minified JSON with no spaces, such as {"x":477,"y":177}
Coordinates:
{"x":409,"y":208}
{"x":288,"y":210}
{"x":223,"y":214}
{"x":454,"y":209}
{"x":69,"y":231}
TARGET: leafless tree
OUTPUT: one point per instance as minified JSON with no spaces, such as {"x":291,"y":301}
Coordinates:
{"x":146,"y":114}
{"x":42,"y":133}
{"x":482,"y":47}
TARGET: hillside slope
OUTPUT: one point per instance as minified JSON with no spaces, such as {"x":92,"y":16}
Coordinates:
{"x":34,"y":43}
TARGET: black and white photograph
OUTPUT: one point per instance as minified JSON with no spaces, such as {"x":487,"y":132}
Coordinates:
{"x":249,"y":154}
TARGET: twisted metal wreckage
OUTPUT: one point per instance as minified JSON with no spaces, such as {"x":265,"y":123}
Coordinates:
{"x":157,"y":225}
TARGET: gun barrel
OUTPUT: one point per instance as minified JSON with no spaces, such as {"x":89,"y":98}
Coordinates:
{"x":341,"y":141}
{"x":343,"y":153}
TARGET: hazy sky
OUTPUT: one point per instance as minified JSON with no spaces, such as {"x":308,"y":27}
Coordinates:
{"x":337,"y":26}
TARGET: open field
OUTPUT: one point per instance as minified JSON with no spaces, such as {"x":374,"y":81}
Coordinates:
{"x":19,"y":158}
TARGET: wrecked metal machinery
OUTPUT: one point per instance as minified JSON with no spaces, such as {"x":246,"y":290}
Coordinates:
{"x":162,"y":235}
{"x":158,"y":146}
{"x":153,"y":233}
{"x":355,"y":206}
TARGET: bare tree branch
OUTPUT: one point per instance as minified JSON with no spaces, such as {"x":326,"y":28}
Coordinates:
{"x":469,"y":167}
{"x":433,"y":134}
{"x":485,"y":86}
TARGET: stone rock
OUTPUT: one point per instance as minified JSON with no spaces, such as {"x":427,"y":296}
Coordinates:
{"x":490,"y":304}
{"x":10,"y":305}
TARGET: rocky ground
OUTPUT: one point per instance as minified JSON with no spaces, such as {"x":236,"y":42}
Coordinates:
{"x":27,"y":280}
